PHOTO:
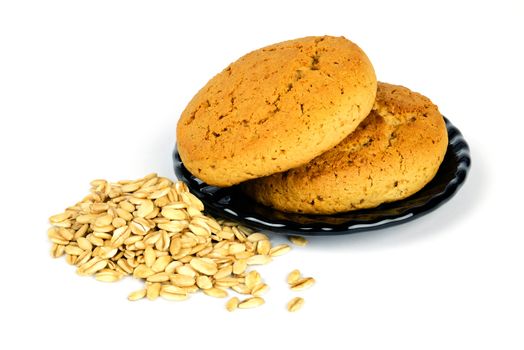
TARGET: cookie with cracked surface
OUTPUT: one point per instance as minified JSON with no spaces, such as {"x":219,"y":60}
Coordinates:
{"x":393,"y":153}
{"x":276,"y":108}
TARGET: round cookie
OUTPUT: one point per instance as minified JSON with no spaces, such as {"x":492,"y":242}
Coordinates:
{"x":276,"y":108}
{"x":396,"y":150}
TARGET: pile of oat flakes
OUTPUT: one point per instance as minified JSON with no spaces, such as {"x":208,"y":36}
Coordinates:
{"x":156,"y":230}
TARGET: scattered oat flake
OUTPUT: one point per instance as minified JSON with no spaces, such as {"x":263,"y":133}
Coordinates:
{"x":295,"y":304}
{"x":232,"y":304}
{"x":298,"y":240}
{"x":303,"y":283}
{"x":293,"y":276}
{"x":251,"y":303}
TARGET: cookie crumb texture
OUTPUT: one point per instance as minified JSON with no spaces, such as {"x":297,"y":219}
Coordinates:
{"x":276,"y":108}
{"x":396,"y":150}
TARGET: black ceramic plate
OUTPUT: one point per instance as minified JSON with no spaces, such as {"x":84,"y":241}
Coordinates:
{"x":232,"y":204}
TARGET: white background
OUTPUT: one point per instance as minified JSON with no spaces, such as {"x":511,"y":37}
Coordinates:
{"x":93,"y":89}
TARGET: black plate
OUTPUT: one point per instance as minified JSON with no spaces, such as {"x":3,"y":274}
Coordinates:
{"x":232,"y":204}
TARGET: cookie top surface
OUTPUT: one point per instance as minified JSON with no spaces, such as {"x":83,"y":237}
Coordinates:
{"x":276,"y":108}
{"x":393,"y":153}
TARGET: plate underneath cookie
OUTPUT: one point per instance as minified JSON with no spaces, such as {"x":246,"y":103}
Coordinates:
{"x":231,"y":203}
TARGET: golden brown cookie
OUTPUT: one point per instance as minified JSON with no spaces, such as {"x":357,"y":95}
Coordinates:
{"x":396,"y":150}
{"x":276,"y":108}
